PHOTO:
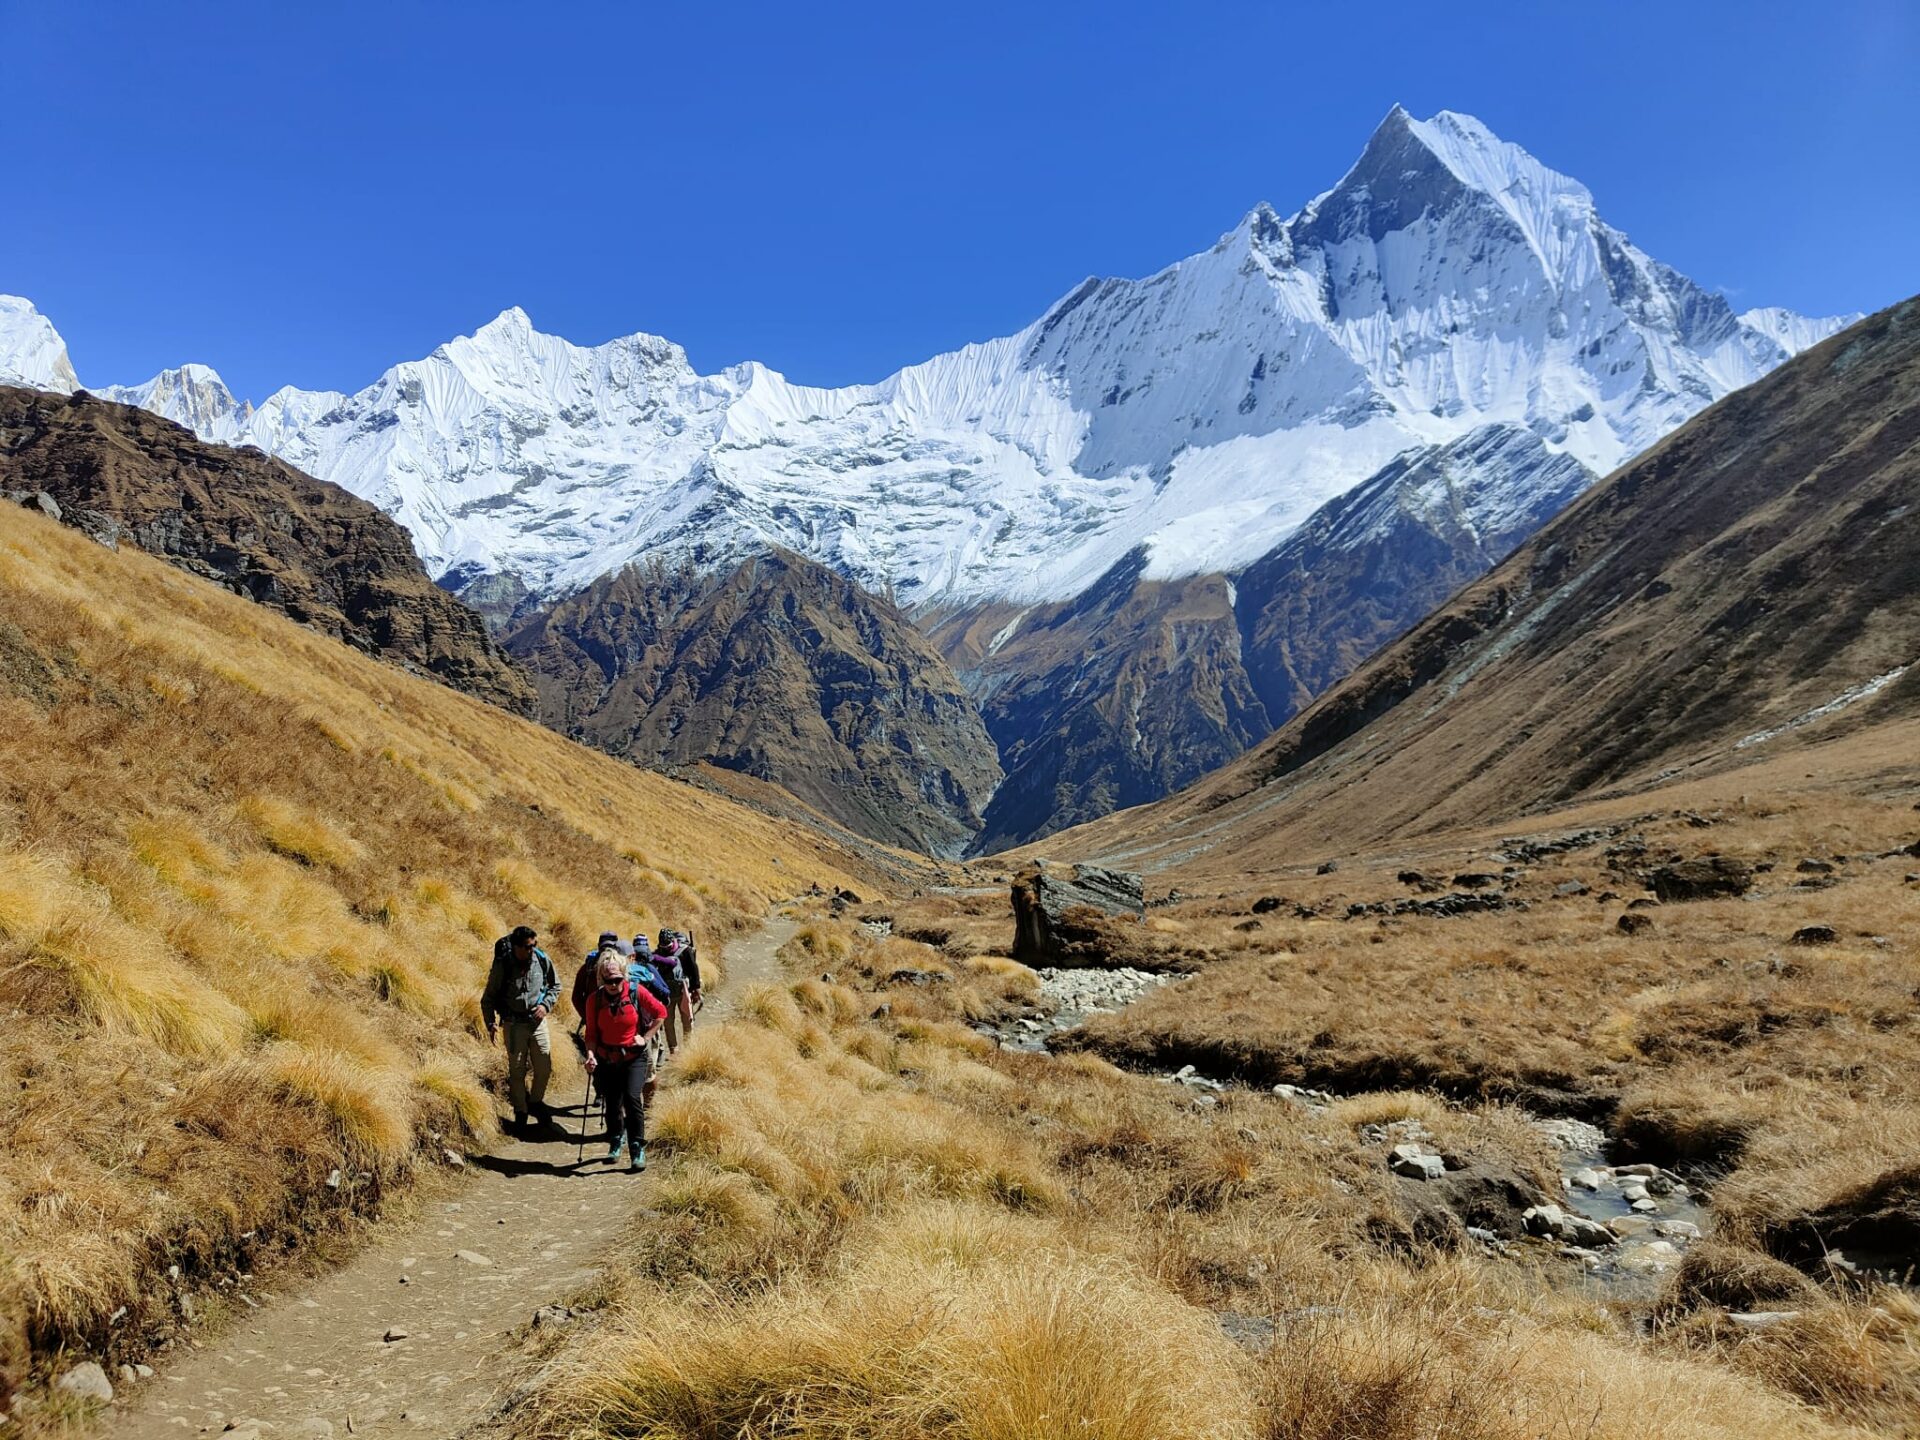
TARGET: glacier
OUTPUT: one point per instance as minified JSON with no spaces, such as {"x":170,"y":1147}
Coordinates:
{"x":1448,"y":282}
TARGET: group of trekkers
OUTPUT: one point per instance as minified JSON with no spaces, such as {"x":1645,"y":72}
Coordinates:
{"x":635,"y":1001}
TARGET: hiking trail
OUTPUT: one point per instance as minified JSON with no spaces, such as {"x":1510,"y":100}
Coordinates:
{"x":528,"y":1229}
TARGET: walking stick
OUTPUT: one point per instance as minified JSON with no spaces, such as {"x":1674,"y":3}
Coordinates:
{"x":586,"y":1109}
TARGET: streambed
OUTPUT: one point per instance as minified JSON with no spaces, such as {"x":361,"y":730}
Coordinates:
{"x":1626,"y":1226}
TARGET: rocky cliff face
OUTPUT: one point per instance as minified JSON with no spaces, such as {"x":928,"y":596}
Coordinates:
{"x":257,"y":526}
{"x":780,"y":669}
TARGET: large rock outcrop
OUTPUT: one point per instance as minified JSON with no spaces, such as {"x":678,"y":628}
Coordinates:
{"x":1086,"y":915}
{"x":257,"y":526}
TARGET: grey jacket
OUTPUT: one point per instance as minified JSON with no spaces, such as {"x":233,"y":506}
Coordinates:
{"x":513,"y":991}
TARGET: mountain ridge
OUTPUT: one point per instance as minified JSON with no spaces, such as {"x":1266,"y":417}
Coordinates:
{"x":1128,"y":526}
{"x":1204,"y":410}
{"x":1746,"y":586}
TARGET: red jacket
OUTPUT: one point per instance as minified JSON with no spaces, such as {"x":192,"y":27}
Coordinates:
{"x":614,"y":1029}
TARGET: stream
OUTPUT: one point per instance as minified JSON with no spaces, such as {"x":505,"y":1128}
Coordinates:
{"x":1626,"y":1226}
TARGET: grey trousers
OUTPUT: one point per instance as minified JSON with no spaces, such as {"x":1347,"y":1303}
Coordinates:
{"x":527,"y":1046}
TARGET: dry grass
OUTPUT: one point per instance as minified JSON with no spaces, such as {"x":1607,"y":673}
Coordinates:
{"x":1785,"y":1078}
{"x":249,"y":882}
{"x":839,"y":1253}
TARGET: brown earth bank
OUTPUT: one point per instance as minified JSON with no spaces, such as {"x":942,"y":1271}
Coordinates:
{"x":781,"y":670}
{"x":255,"y":525}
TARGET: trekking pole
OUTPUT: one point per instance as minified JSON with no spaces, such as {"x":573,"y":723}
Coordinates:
{"x":586,"y":1109}
{"x":703,"y":994}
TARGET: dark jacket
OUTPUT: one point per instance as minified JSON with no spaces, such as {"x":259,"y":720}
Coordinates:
{"x":513,"y":991}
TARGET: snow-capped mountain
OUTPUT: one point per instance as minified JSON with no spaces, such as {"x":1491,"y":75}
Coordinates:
{"x":31,"y":350}
{"x":1447,"y":282}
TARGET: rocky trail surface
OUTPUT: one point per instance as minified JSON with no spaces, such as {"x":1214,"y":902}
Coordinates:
{"x":408,"y":1339}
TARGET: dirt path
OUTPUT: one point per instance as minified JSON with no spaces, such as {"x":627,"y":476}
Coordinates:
{"x":315,"y":1360}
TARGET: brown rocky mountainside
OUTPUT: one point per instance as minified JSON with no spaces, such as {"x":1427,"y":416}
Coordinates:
{"x":782,"y":670}
{"x":1750,"y":585}
{"x":1117,"y":697}
{"x":1370,"y":564}
{"x":1139,"y":687}
{"x":255,"y":525}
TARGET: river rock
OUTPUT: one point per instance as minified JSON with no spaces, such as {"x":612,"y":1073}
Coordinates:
{"x":1588,"y":1179}
{"x":1709,"y":877}
{"x":1586,"y":1233}
{"x":1761,"y":1319}
{"x":86,"y":1381}
{"x":1419,"y":1167}
{"x":1552,"y":1223}
{"x":1544,"y":1220}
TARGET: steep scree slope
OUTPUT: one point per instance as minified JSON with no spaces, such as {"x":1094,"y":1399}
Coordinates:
{"x":1751,"y":583}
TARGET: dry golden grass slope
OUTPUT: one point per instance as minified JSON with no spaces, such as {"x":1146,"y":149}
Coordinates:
{"x":249,"y":881}
{"x":876,"y":1226}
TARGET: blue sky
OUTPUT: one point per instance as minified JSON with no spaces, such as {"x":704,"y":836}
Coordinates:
{"x":309,"y":193}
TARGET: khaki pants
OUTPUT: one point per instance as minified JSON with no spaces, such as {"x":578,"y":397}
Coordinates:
{"x":527,"y":1043}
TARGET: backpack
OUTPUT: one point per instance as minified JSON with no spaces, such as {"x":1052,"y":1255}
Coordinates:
{"x":643,"y":976}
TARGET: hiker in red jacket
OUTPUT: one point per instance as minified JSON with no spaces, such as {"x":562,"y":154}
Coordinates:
{"x":620,"y":1019}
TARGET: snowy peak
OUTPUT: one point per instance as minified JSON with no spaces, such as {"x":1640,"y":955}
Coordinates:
{"x":1794,"y":333}
{"x":31,"y":350}
{"x":1449,"y":282}
{"x":190,"y":395}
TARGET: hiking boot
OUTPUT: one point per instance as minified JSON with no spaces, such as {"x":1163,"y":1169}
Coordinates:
{"x":614,"y":1150}
{"x":639,"y":1161}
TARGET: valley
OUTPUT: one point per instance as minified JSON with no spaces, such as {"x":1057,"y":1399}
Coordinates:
{"x":1184,"y":505}
{"x":1320,"y":844}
